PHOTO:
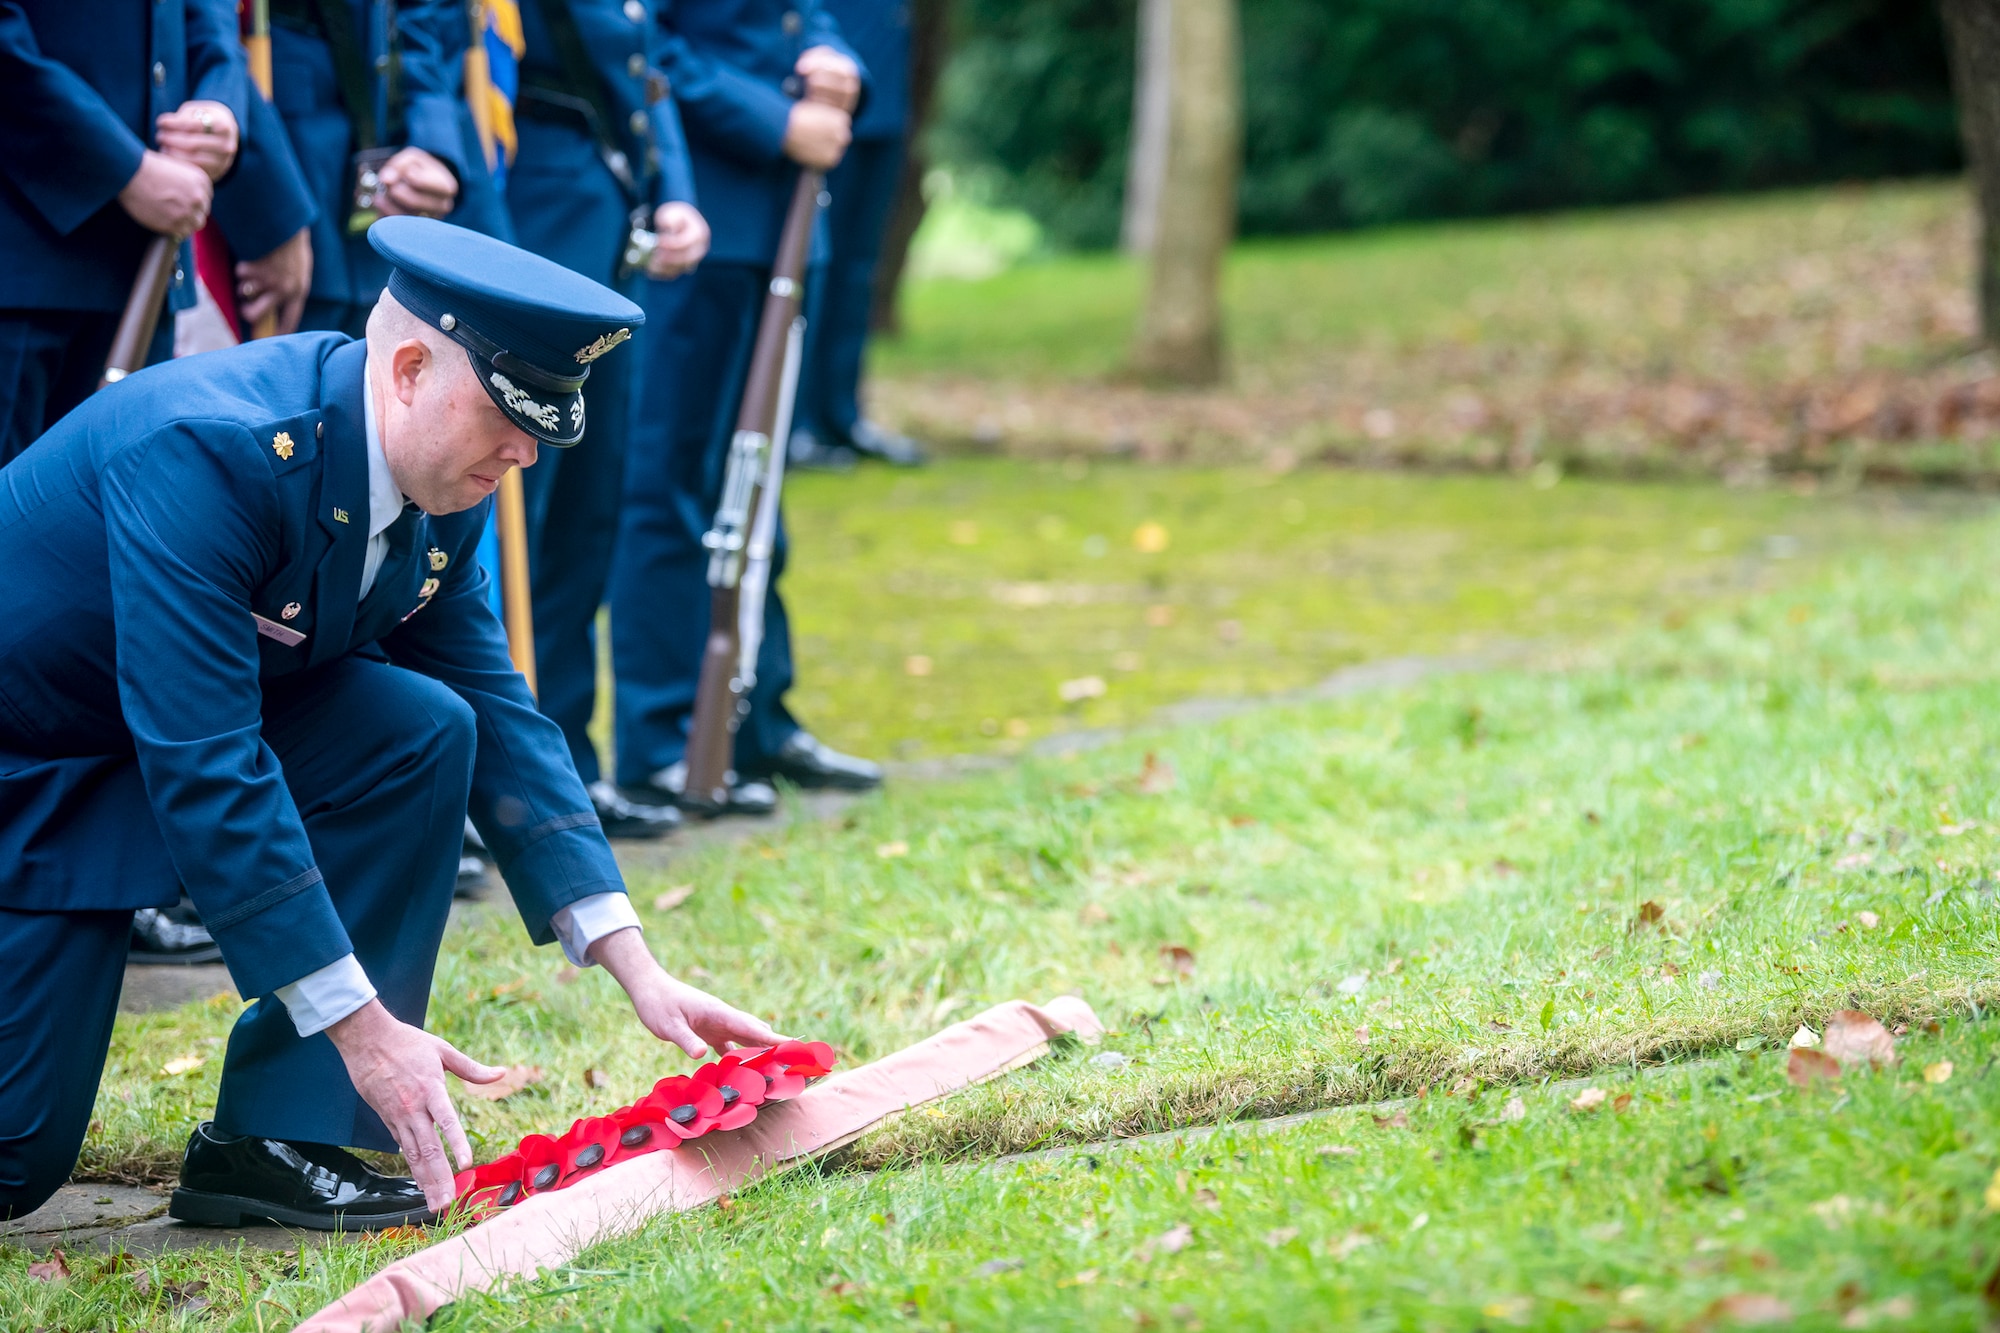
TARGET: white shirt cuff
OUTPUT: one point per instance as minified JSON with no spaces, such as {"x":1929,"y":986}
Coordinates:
{"x":320,"y":999}
{"x":588,"y":920}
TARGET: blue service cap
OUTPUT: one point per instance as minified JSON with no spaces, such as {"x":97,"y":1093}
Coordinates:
{"x":531,"y":326}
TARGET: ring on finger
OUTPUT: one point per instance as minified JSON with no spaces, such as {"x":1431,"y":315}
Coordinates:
{"x":208,"y":122}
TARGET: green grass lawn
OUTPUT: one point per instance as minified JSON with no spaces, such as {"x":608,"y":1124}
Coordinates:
{"x":1439,"y":892}
{"x":1003,"y":580}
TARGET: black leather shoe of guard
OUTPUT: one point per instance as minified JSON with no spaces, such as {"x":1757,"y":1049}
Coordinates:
{"x":171,"y":935}
{"x":227,"y":1180}
{"x":873,"y":440}
{"x":666,"y":787}
{"x":810,"y":762}
{"x":807,"y":452}
{"x":623,"y":818}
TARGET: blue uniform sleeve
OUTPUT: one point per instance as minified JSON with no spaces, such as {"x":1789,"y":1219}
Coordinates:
{"x":191,"y":522}
{"x":64,"y":148}
{"x":738,"y":113}
{"x":527,"y":801}
{"x":432,"y":36}
{"x":217,"y":70}
{"x":264,"y":202}
{"x":674,"y":182}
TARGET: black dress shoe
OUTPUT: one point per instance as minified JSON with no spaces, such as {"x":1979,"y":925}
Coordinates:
{"x":172,"y":935}
{"x":471,"y":877}
{"x":667,"y":787}
{"x":624,"y":818}
{"x":811,"y":762}
{"x":227,"y":1179}
{"x":872,"y":440}
{"x":809,"y":453}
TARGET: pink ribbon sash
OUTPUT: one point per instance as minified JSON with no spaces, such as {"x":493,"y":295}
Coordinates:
{"x":548,"y":1230}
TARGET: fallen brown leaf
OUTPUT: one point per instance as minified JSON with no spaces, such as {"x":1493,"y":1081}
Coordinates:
{"x":568,"y":973}
{"x":55,"y":1268}
{"x":1093,"y":914}
{"x":1363,"y":1035}
{"x":1590,"y":1099}
{"x":1180,"y":957}
{"x":1336,"y":1150}
{"x":516,"y":1078}
{"x":1400,"y":1120}
{"x":1939,"y":1072}
{"x":1169,"y":1242}
{"x":1156,"y":776}
{"x":1805,"y":1067}
{"x":595,"y":1078}
{"x":1514,"y":1110}
{"x":1853,"y":1038}
{"x":1208,"y":1199}
{"x":1751,"y":1308}
{"x":1621,"y":1103}
{"x":673,"y":897}
{"x":843,"y":1289}
{"x":1650,"y":913}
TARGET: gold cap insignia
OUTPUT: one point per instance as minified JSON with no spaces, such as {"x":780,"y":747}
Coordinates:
{"x":429,"y":590}
{"x":439,"y":559}
{"x":340,"y":516}
{"x":291,"y":611}
{"x":281,"y":444}
{"x":589,"y":354}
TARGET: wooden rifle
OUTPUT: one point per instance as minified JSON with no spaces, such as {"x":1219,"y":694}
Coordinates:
{"x":741,"y":541}
{"x":142,"y":310}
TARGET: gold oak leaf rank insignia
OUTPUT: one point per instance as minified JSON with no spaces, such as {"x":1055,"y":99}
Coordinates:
{"x":281,"y":444}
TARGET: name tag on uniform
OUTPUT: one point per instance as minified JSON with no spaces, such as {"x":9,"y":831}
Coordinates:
{"x":284,"y":634}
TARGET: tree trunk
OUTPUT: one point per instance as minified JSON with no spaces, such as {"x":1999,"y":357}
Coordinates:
{"x":1146,"y":155}
{"x":930,"y":44}
{"x":1973,"y":29}
{"x":1180,"y":329}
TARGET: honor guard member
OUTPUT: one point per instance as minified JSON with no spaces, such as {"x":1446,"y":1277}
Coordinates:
{"x":369,"y":93}
{"x":248,"y":650}
{"x":266,"y":212}
{"x":830,"y":430}
{"x":763,"y":86}
{"x":116,"y":119}
{"x":600,"y":184}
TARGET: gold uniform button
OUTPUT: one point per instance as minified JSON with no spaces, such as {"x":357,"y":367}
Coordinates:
{"x":792,"y":22}
{"x":638,"y":122}
{"x":634,"y":11}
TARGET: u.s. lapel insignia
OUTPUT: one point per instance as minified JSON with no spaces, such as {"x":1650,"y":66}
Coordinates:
{"x":291,"y":611}
{"x":586,"y":355}
{"x":438,"y":559}
{"x":340,"y":516}
{"x":281,"y":444}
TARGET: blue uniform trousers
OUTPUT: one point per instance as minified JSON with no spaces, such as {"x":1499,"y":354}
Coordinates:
{"x":51,"y":360}
{"x":378,"y":761}
{"x":567,"y":207}
{"x":690,"y":388}
{"x":863,"y":188}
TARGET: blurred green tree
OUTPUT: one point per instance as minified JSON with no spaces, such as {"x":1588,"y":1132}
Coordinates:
{"x":1369,"y":111}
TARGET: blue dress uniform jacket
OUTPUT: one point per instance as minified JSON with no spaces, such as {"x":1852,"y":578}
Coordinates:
{"x":133,"y":669}
{"x":730,"y":63}
{"x":879,"y":32}
{"x":569,"y":207}
{"x":429,"y":39}
{"x":80,"y":87}
{"x":264,"y":201}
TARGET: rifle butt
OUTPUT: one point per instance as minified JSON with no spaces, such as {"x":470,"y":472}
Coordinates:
{"x":712,"y":739}
{"x":142,"y":311}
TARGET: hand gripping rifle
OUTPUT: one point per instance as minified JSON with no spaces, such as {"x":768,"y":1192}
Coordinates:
{"x":746,"y":522}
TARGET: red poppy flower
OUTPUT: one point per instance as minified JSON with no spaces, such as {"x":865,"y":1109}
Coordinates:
{"x":739,"y":1084}
{"x":495,"y":1185}
{"x":780,"y":1083}
{"x":641,"y":1129}
{"x":811,"y":1058}
{"x":688,"y":1109}
{"x":541,"y":1164}
{"x":588,"y":1146}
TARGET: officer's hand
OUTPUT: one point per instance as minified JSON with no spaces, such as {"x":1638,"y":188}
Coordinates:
{"x":399,"y":1070}
{"x":201,"y":132}
{"x":683,"y":234}
{"x":167,"y":195}
{"x":672,"y":1010}
{"x":278,"y":282}
{"x":416,"y":183}
{"x":831,"y":77}
{"x":817,"y":135}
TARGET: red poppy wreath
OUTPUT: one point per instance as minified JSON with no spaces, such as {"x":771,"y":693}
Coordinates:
{"x":721,"y":1095}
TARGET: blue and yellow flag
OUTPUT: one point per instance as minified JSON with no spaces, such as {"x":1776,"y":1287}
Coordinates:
{"x":493,"y":78}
